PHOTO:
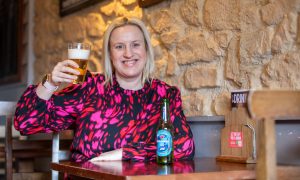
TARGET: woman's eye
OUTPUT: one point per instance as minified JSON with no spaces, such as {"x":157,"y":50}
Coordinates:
{"x":119,"y":46}
{"x":136,"y":44}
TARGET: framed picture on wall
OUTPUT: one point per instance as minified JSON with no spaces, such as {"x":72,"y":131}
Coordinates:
{"x":147,"y":3}
{"x":70,"y":6}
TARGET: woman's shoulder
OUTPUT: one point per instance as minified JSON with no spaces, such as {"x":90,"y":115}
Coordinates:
{"x":159,"y":84}
{"x":97,"y":76}
{"x":94,"y":78}
{"x":164,"y":89}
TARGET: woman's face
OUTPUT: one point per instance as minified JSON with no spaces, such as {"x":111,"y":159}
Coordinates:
{"x":128,"y":52}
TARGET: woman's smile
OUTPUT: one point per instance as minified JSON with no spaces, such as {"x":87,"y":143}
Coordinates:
{"x":130,"y":63}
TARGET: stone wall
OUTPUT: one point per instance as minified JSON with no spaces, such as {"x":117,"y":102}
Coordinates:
{"x":207,"y":48}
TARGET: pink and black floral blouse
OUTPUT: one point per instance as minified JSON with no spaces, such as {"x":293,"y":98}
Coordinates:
{"x":107,"y":118}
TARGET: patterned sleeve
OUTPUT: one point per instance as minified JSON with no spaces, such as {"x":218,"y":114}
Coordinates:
{"x":184,"y":147}
{"x":183,"y":137}
{"x":35,"y":115}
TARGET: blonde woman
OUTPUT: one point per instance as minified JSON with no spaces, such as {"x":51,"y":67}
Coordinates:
{"x":116,"y":114}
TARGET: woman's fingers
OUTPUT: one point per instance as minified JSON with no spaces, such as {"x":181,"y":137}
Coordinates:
{"x":63,"y":77}
{"x":70,"y":63}
{"x":65,"y":71}
{"x":69,"y":70}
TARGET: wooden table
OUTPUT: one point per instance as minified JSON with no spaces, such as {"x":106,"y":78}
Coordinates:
{"x":204,"y":168}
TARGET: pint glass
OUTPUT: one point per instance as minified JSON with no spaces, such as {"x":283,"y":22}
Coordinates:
{"x":79,"y":52}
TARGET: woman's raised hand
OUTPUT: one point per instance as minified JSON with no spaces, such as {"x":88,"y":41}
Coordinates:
{"x":64,"y":71}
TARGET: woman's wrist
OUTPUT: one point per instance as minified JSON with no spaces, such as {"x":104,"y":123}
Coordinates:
{"x":52,"y":82}
{"x":48,"y":83}
{"x":47,"y":87}
{"x":43,"y":92}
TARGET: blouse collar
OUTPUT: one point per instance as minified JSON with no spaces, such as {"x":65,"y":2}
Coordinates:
{"x":118,"y":88}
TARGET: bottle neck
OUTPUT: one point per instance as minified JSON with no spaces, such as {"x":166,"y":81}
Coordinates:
{"x":165,"y":113}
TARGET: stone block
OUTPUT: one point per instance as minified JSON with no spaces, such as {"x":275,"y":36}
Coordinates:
{"x":222,"y":14}
{"x":232,"y":66}
{"x":74,"y":29}
{"x":282,"y":40}
{"x":128,"y":2}
{"x":162,"y":21}
{"x":255,"y":45}
{"x":191,"y":12}
{"x":108,"y":9}
{"x":272,"y":13}
{"x":172,"y":66}
{"x":193,"y":48}
{"x":200,"y":77}
{"x":282,"y":72}
{"x":251,"y":18}
{"x":192,"y":104}
{"x":223,"y":38}
{"x":169,"y":38}
{"x":95,"y":27}
{"x":222,"y":104}
{"x":160,"y":68}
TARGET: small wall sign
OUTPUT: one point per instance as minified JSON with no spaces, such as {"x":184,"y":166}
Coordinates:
{"x":239,"y":98}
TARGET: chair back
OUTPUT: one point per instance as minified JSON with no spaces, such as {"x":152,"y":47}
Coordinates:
{"x":266,"y":106}
{"x":274,"y":104}
{"x":7,"y":109}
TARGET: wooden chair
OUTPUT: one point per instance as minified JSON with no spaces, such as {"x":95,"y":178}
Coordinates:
{"x":266,"y":106}
{"x":7,"y":110}
{"x":60,"y":148}
{"x":17,"y":150}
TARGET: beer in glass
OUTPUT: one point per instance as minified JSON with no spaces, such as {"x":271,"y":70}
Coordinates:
{"x":164,"y":136}
{"x":79,"y":52}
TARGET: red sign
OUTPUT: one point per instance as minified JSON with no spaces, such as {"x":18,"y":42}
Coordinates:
{"x":235,"y":139}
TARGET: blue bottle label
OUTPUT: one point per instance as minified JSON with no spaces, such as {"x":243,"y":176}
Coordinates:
{"x":163,"y":143}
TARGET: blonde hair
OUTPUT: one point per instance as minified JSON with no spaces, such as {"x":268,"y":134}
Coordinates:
{"x":108,"y":67}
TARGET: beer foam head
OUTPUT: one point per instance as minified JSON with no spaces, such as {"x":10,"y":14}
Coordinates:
{"x":78,"y":53}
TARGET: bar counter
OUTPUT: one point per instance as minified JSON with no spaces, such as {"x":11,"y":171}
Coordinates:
{"x":204,"y":168}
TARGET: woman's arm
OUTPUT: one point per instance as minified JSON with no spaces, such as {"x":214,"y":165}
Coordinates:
{"x":40,"y":109}
{"x":184,"y":147}
{"x":35,"y":115}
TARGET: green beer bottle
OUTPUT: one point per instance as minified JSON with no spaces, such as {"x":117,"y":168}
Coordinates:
{"x":164,"y":136}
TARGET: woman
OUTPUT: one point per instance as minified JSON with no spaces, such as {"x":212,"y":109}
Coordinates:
{"x":115,"y":115}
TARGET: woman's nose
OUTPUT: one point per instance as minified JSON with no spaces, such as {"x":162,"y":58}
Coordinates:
{"x":128,"y":52}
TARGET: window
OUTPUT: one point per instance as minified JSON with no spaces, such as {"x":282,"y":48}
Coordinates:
{"x":11,"y":31}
